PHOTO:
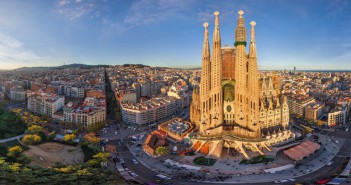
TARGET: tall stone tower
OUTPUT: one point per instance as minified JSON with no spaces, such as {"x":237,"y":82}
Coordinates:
{"x":205,"y":85}
{"x":253,"y":86}
{"x":241,"y":116}
{"x":216,"y":114}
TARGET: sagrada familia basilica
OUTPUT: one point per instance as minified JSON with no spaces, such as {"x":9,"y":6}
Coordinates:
{"x":235,"y":107}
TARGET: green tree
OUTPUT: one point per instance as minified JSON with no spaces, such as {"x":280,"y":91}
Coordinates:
{"x":94,"y":163}
{"x":101,"y":156}
{"x":14,"y":151}
{"x":91,"y":137}
{"x":15,"y":167}
{"x":51,"y":136}
{"x":2,"y":160}
{"x":34,"y":129}
{"x":162,"y":150}
{"x":69,"y":138}
{"x":31,"y":139}
{"x":98,"y":159}
{"x":95,"y":127}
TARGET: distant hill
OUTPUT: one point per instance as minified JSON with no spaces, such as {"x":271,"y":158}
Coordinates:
{"x":82,"y":66}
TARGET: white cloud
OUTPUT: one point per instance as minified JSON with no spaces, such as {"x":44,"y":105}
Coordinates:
{"x":111,"y":27}
{"x":205,"y":16}
{"x":63,"y":2}
{"x":76,"y":9}
{"x":150,"y":11}
{"x":13,"y":50}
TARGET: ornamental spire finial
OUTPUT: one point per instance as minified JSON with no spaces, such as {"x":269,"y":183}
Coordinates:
{"x":253,"y":24}
{"x":216,"y":13}
{"x":252,"y":51}
{"x":241,"y":13}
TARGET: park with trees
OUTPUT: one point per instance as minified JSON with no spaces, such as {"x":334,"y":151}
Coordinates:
{"x":10,"y":124}
{"x":17,"y":167}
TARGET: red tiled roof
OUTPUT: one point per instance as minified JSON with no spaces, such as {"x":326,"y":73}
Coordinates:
{"x":302,"y":150}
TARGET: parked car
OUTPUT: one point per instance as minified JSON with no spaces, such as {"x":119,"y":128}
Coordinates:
{"x":330,"y":163}
{"x":281,"y":181}
{"x":122,"y":162}
{"x":133,"y":174}
{"x":127,"y":169}
{"x":134,"y":161}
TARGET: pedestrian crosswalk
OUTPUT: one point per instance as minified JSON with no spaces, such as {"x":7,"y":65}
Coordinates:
{"x":125,"y":157}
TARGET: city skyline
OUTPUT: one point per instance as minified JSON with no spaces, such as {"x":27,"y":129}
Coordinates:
{"x":305,"y":34}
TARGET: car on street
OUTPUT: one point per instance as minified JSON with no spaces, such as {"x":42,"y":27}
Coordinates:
{"x":134,"y":161}
{"x":127,"y":169}
{"x":122,"y":162}
{"x":116,"y":133}
{"x":133,"y":174}
{"x":330,"y":163}
{"x":324,"y":181}
{"x":163,"y":177}
{"x":281,"y":181}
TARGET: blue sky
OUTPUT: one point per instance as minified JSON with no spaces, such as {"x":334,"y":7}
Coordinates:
{"x":308,"y":34}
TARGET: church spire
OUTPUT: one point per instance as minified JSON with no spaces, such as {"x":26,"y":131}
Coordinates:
{"x":206,"y":68}
{"x":270,"y":84}
{"x":216,"y":34}
{"x":240,"y":31}
{"x":216,"y":75}
{"x":264,"y":86}
{"x":252,"y":52}
{"x":216,"y":62}
{"x":206,"y":45}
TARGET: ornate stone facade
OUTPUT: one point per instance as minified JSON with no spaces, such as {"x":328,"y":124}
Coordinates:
{"x":235,"y":107}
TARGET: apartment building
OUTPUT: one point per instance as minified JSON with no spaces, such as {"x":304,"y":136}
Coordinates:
{"x":17,"y":93}
{"x":126,"y":95}
{"x":149,"y":111}
{"x":45,"y":103}
{"x":92,"y":110}
{"x":314,"y":111}
{"x":337,"y":116}
{"x":297,"y":104}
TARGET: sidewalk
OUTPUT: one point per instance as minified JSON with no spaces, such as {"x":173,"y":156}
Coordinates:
{"x":11,"y":138}
{"x":243,"y":173}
